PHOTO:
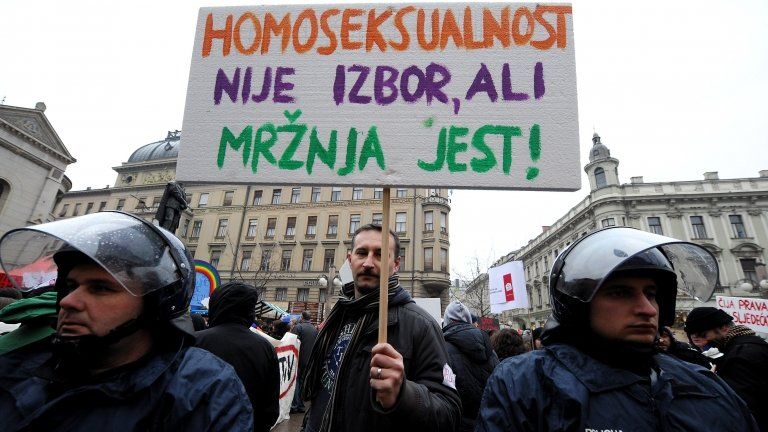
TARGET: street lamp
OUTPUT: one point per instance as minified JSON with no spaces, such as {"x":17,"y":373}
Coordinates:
{"x":323,"y":281}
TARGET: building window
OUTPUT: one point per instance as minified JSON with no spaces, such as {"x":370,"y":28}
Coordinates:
{"x":400,"y":222}
{"x":333,"y":225}
{"x":253,"y":228}
{"x":285,"y":260}
{"x":281,"y":294}
{"x":538,"y":295}
{"x":102,"y":205}
{"x":311,"y":225}
{"x":271,"y":224}
{"x":290,"y":227}
{"x":141,"y":205}
{"x":699,"y":231}
{"x":89,"y":207}
{"x":228,"y":196}
{"x":428,"y":259}
{"x":737,"y":226}
{"x":428,"y":223}
{"x":748,"y":267}
{"x":295,"y":195}
{"x":5,"y":191}
{"x":609,"y":222}
{"x":245,"y":261}
{"x":215,"y":257}
{"x":402,"y":259}
{"x":192,"y":252}
{"x":357,"y":193}
{"x":65,"y":209}
{"x":354,"y":223}
{"x":156,"y":203}
{"x":185,"y":228}
{"x":266,"y":258}
{"x":77,"y":209}
{"x":443,"y":222}
{"x":315,"y":195}
{"x":654,"y":225}
{"x":378,"y":193}
{"x":302,"y":294}
{"x":328,"y":259}
{"x":378,"y":219}
{"x":203,"y":201}
{"x":401,"y":193}
{"x":432,"y":192}
{"x":120,"y":204}
{"x":276,"y":196}
{"x":443,"y":260}
{"x":197,"y":226}
{"x":336,"y":194}
{"x":256,"y":197}
{"x":221,"y":231}
{"x":306,"y":261}
{"x":323,"y":295}
{"x":600,"y":177}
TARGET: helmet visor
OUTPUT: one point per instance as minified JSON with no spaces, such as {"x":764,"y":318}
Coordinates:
{"x":595,"y":257}
{"x":135,"y":254}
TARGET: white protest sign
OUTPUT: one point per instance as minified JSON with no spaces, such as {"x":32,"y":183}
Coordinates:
{"x":506,"y":287}
{"x":288,"y":358}
{"x":750,"y":312}
{"x":461,"y":95}
{"x":432,"y":307}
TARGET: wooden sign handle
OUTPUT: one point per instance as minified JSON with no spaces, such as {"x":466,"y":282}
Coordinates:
{"x":384,"y":272}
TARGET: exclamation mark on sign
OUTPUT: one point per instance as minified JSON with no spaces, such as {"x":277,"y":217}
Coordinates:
{"x":534,"y":147}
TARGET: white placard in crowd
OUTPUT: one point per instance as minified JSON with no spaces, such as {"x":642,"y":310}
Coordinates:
{"x":750,"y":312}
{"x":288,"y":358}
{"x":461,"y":95}
{"x":506,"y":287}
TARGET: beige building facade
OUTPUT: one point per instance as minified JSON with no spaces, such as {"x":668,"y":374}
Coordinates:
{"x":281,"y":238}
{"x":729,"y":217}
{"x":32,"y":163}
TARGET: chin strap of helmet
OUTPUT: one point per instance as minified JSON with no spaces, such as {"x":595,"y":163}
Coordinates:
{"x":81,"y":345}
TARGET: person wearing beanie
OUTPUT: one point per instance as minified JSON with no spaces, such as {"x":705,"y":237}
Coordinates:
{"x":471,"y":357}
{"x":744,"y":364}
{"x":701,"y":319}
{"x":232,"y":311}
{"x":599,"y":368}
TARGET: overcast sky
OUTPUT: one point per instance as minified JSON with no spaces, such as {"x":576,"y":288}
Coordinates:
{"x":675,"y":89}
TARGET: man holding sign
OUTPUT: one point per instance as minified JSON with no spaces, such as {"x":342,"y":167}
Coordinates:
{"x":357,"y":385}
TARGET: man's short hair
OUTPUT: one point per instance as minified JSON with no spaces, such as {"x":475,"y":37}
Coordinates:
{"x":306,"y":316}
{"x":375,"y":227}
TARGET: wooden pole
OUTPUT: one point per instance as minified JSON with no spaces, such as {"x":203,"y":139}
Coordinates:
{"x":384,"y":274}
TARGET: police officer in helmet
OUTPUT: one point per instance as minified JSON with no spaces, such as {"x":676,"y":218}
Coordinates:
{"x":121,"y":357}
{"x":611,"y":291}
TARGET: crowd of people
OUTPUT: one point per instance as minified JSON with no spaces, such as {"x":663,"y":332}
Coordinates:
{"x":111,"y":345}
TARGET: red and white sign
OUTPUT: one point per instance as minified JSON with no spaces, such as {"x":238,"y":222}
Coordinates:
{"x":750,"y":312}
{"x":288,"y":358}
{"x":506,"y":287}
